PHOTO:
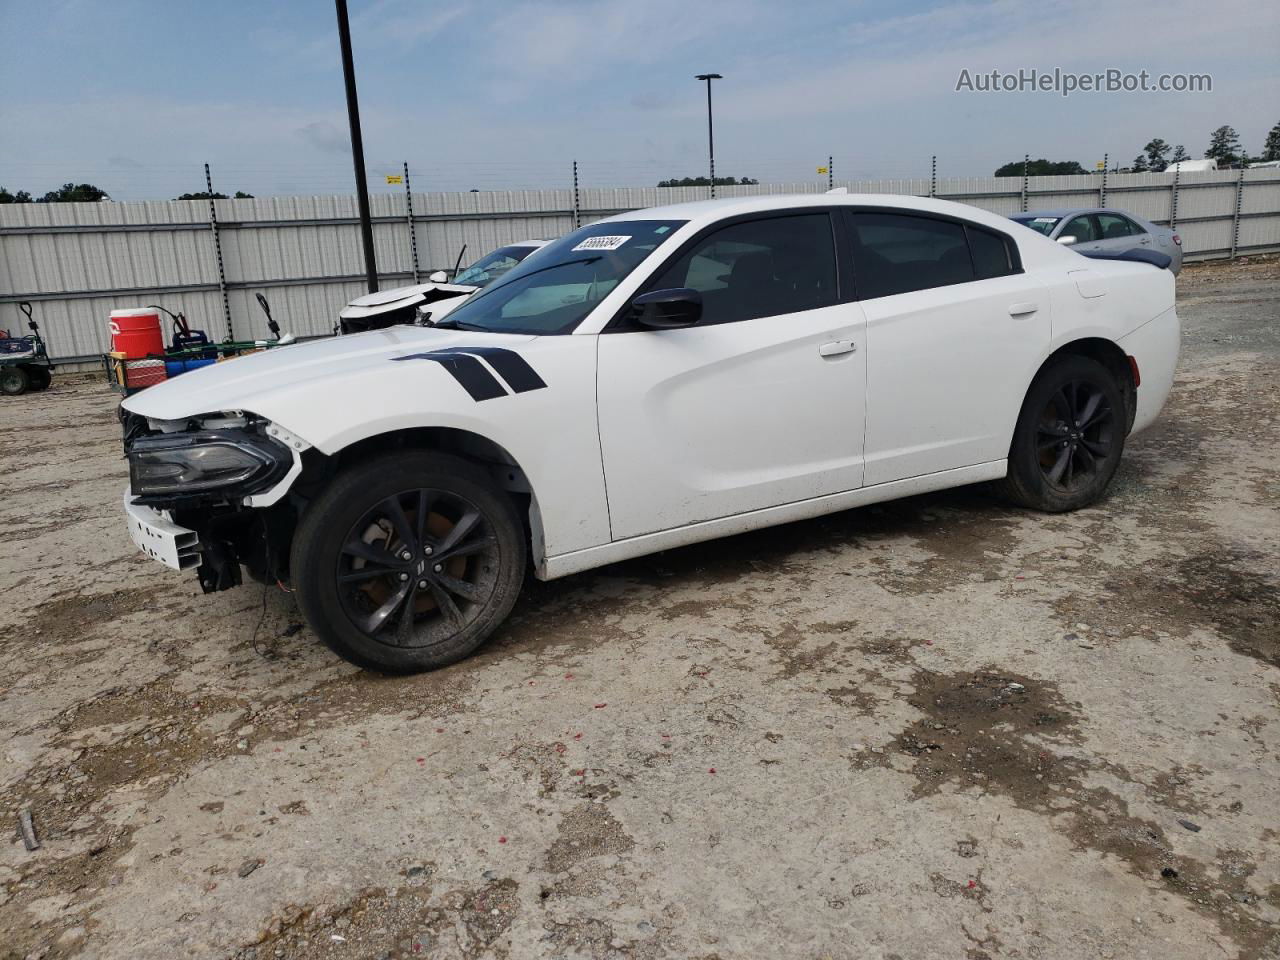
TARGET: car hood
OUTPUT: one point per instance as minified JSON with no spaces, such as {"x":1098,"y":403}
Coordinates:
{"x":289,"y":384}
{"x":396,"y":294}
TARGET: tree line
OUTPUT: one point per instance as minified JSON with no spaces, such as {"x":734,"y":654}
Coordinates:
{"x":88,"y":193}
{"x":1156,"y":157}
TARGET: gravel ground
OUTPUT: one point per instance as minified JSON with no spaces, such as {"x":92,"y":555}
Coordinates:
{"x":935,"y":728}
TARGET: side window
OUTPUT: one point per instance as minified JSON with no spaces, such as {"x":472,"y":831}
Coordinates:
{"x":1113,"y":225}
{"x":991,"y":256}
{"x":1081,"y":228}
{"x":760,"y":268}
{"x":893,"y":253}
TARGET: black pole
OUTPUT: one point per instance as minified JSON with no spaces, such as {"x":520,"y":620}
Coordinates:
{"x":357,"y":147}
{"x":711,"y":136}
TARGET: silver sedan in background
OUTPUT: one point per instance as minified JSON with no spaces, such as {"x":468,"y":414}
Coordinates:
{"x":1106,"y":230}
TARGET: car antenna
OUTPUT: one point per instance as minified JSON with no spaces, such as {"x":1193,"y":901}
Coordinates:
{"x":458,"y":264}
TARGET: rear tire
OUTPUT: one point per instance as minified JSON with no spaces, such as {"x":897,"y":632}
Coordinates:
{"x":14,"y":381}
{"x":408,"y":562}
{"x":40,"y":377}
{"x":1068,"y":439}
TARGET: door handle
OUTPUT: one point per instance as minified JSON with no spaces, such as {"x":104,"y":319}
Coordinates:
{"x":1023,"y":309}
{"x":837,"y":347}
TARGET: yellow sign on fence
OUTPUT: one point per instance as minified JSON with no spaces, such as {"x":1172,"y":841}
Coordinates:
{"x":394,"y":179}
{"x":1100,"y":165}
{"x":822,"y":169}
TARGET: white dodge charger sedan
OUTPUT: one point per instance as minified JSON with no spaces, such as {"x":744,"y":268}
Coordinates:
{"x":659,"y":378}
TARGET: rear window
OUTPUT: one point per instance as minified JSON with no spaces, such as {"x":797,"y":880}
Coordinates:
{"x":991,"y":256}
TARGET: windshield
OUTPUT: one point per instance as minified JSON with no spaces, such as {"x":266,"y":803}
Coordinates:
{"x":554,"y":291}
{"x":1043,"y":225}
{"x":492,"y":266}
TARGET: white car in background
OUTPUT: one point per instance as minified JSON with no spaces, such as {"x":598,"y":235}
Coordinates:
{"x":436,"y":297}
{"x":659,"y":378}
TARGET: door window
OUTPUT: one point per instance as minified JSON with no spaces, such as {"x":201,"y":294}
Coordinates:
{"x":991,"y":254}
{"x":1112,"y":226}
{"x":893,"y":253}
{"x":759,"y":268}
{"x":1082,"y":228}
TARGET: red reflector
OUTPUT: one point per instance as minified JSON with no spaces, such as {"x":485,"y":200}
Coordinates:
{"x":1133,"y":366}
{"x":1177,"y":239}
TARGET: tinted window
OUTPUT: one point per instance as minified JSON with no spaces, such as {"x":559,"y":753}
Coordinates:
{"x":1043,"y":225}
{"x":490,"y":267}
{"x":554,"y":291}
{"x":761,"y":268}
{"x":893,"y":253}
{"x":990,"y":254}
{"x":1081,"y":228}
{"x":1113,"y":225}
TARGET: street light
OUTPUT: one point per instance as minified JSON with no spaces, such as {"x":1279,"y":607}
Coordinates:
{"x":711,"y":139}
{"x":357,"y":147}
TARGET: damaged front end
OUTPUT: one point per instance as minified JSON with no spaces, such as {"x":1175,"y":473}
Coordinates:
{"x":212,"y":492}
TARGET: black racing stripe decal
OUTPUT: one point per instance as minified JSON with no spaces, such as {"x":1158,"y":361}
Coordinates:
{"x":473,"y":376}
{"x":512,"y":367}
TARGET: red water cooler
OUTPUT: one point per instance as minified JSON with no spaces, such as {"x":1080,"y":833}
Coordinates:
{"x":137,"y":345}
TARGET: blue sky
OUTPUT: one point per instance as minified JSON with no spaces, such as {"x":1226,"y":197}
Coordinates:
{"x":134,"y":95}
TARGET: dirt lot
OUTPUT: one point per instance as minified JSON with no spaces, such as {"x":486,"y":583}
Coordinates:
{"x":938,"y":728}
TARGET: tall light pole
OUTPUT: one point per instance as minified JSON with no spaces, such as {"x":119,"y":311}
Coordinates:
{"x":357,"y":147}
{"x":711,"y":137}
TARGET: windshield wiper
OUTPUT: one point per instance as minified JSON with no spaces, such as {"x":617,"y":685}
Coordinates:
{"x":448,"y":323}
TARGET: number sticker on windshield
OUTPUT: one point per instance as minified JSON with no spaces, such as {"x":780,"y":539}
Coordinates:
{"x":601,"y":243}
{"x":1046,"y":220}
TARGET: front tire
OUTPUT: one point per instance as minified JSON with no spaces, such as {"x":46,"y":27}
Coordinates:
{"x":408,"y":562}
{"x":1069,"y":438}
{"x":14,"y":381}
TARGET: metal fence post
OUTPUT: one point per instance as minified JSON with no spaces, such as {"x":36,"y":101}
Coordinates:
{"x":217,"y":247}
{"x":831,"y":177}
{"x":1173,"y":212}
{"x":1102,"y":196}
{"x":577,"y":205}
{"x":413,"y":236}
{"x":1026,"y":161}
{"x":1235,"y":219}
{"x":933,"y":175}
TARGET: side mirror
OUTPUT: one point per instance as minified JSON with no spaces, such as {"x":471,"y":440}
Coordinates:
{"x":438,"y":277}
{"x":1067,"y":240}
{"x":667,"y":309}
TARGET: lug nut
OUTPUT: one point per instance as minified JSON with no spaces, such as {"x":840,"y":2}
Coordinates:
{"x":422,"y":584}
{"x":428,"y":551}
{"x":406,"y":555}
{"x":404,"y":576}
{"x":438,"y":567}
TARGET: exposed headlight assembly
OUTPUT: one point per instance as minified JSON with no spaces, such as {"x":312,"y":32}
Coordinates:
{"x":223,"y":462}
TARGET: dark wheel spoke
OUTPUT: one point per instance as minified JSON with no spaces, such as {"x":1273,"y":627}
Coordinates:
{"x":404,"y":628}
{"x":1054,"y":429}
{"x":1052,"y":443}
{"x":1060,"y":465}
{"x":364,"y":573}
{"x":1086,"y":458}
{"x":376,"y":620}
{"x":424,"y":508}
{"x":370,"y":554}
{"x":448,"y":609}
{"x":465,"y":525}
{"x":469,"y":548}
{"x":458,"y":587}
{"x":1090,"y":410}
{"x":1098,"y":449}
{"x":395,"y":514}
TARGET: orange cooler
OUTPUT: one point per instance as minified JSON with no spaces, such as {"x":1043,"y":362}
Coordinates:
{"x":136,"y":333}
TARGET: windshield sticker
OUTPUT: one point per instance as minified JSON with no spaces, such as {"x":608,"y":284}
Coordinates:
{"x":601,"y":243}
{"x":1046,"y":220}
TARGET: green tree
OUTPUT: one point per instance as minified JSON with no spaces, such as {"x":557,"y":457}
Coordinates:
{"x":1040,"y":168}
{"x":20,"y":197}
{"x":75,"y":193}
{"x":206,"y":195}
{"x":1271,"y":146}
{"x":1179,"y":154}
{"x":1224,"y":146}
{"x":1156,"y":152}
{"x":706,"y":182}
{"x":1139,"y":164}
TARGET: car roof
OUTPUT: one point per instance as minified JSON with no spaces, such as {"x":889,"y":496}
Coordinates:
{"x":710,"y":211}
{"x":526,"y":243}
{"x":1070,"y":212}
